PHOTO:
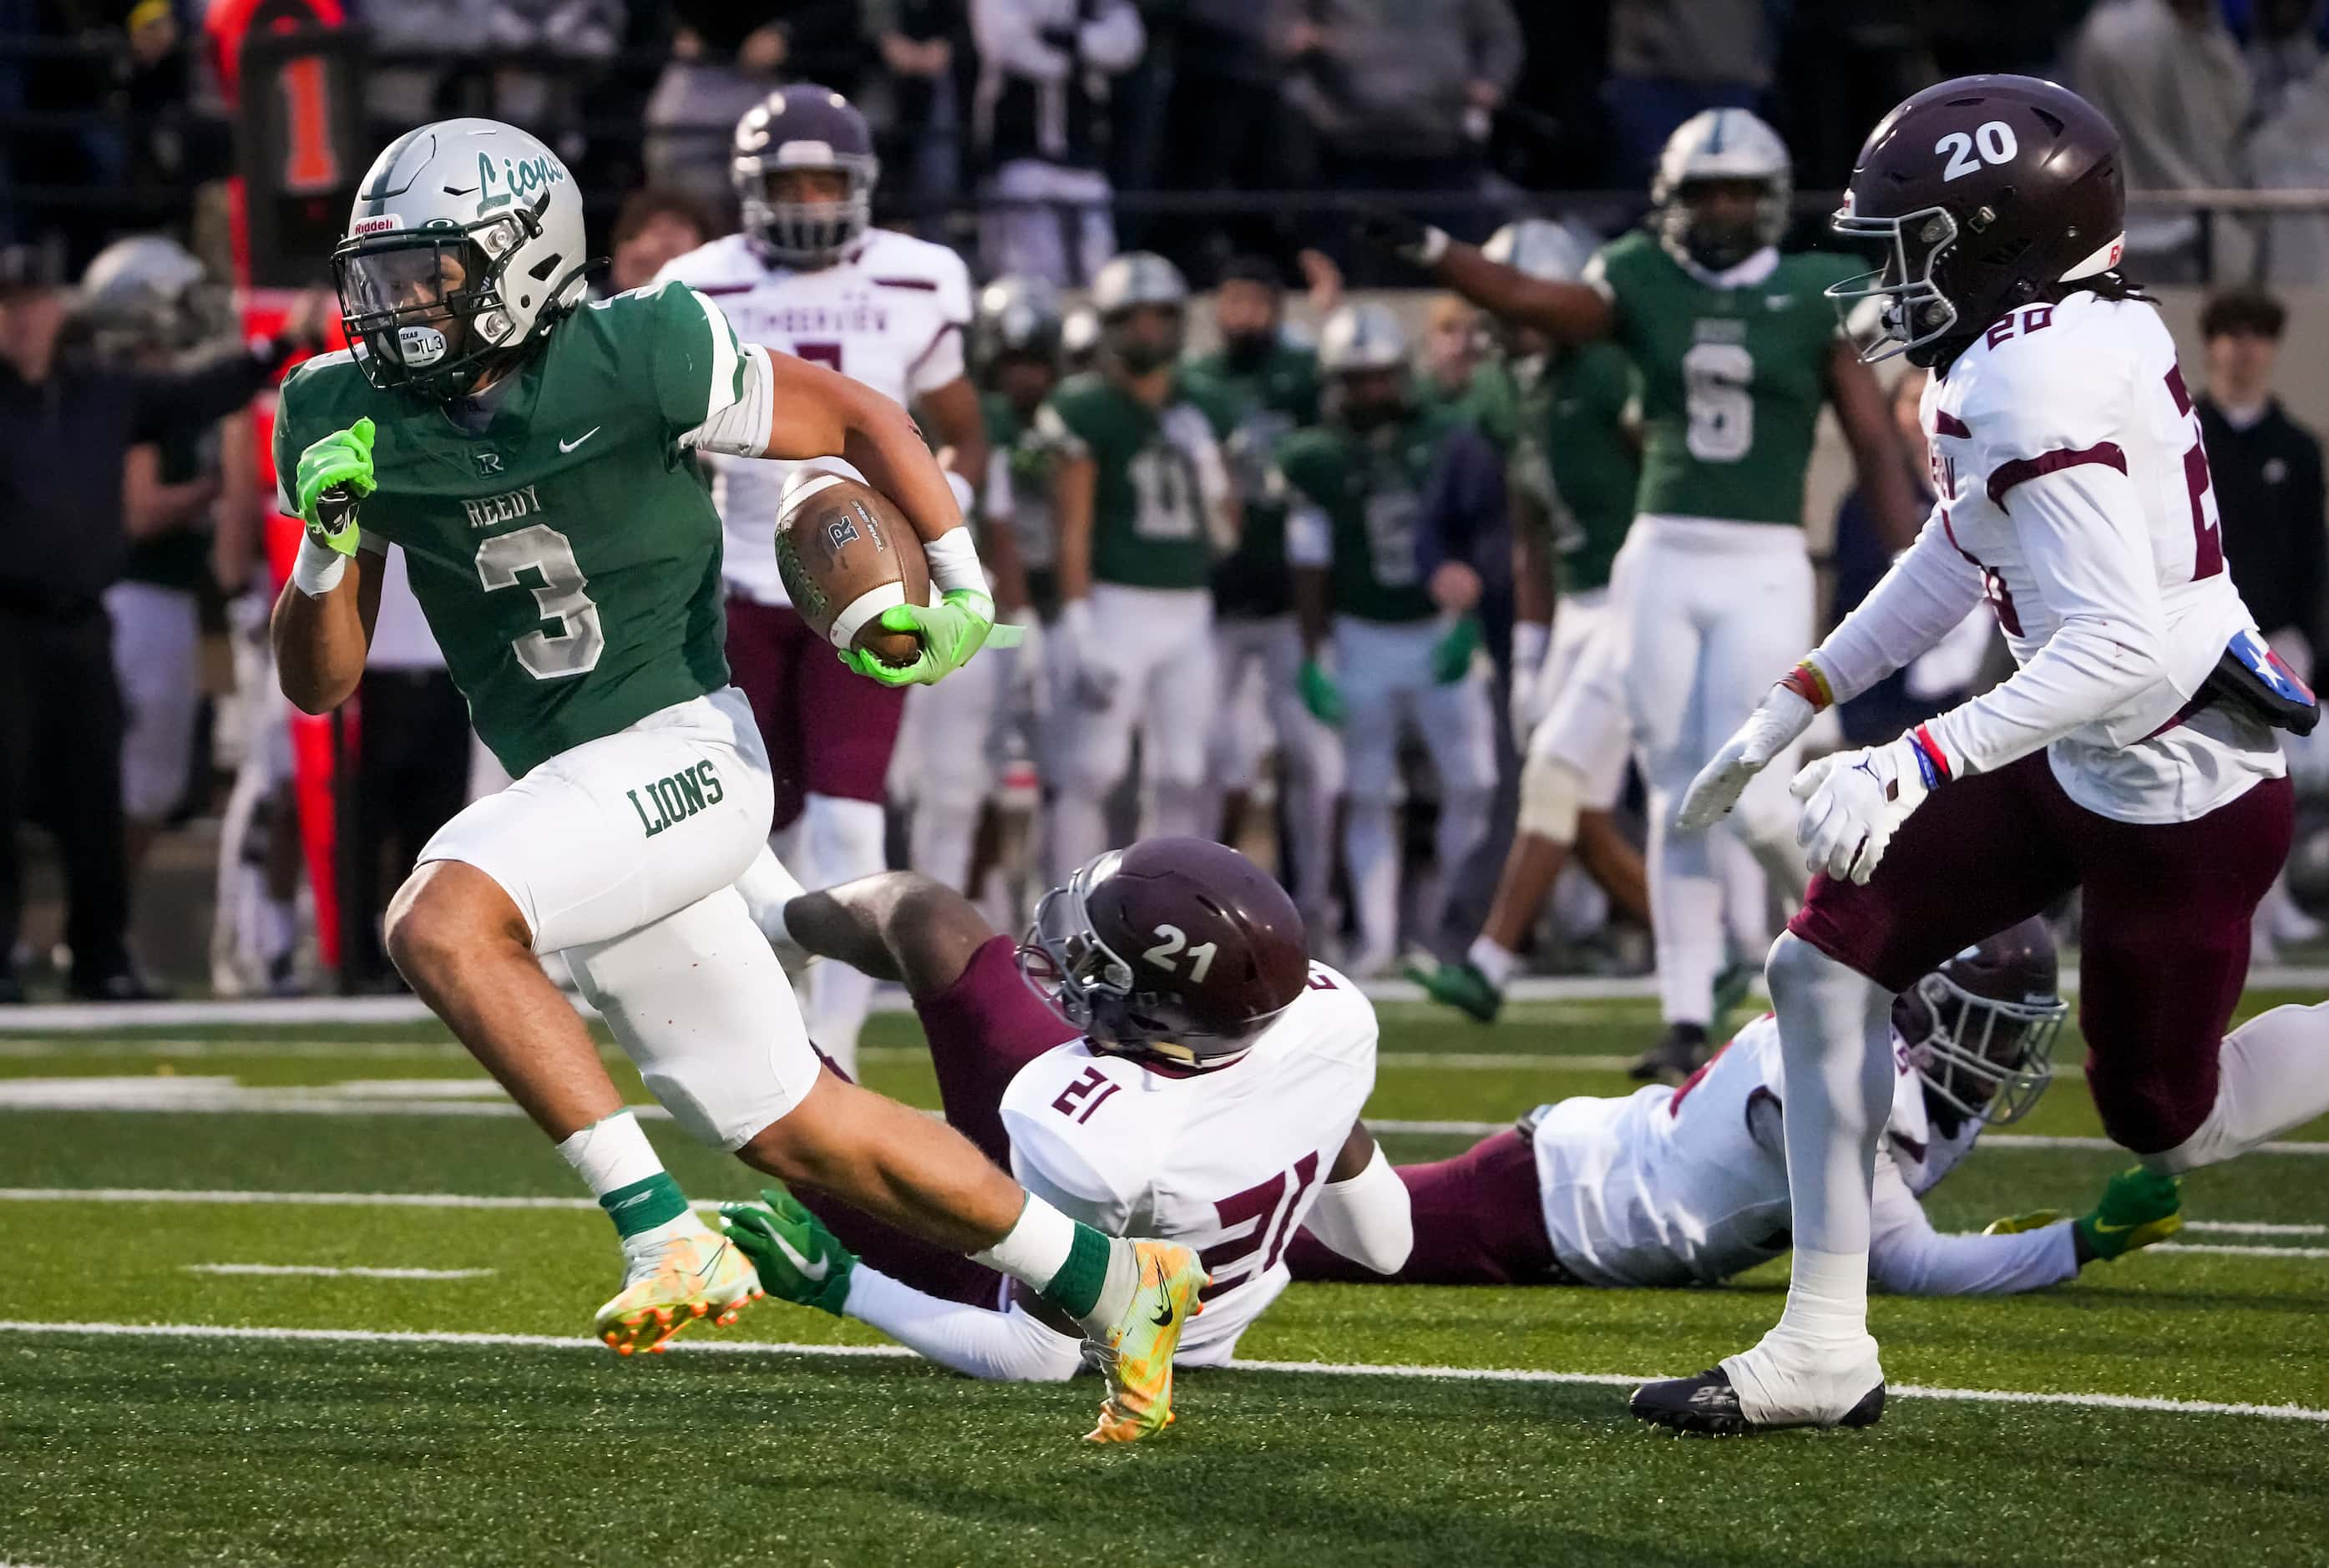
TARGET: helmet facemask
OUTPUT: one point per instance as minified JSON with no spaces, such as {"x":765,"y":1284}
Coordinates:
{"x":804,"y":233}
{"x":426,"y":303}
{"x":1918,"y":315}
{"x":1986,"y":1059}
{"x":1130,"y":342}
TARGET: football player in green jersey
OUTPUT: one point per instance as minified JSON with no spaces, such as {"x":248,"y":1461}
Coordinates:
{"x":530,"y":455}
{"x":1736,"y":360}
{"x":1271,"y":384}
{"x":1145,"y":507}
{"x":1375,"y":495}
{"x":1574,"y":463}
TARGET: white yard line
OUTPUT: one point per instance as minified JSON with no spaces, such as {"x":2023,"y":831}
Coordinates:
{"x":107,"y":1017}
{"x":2238,"y":1252}
{"x":2254,"y":1227}
{"x":1304,"y":1368}
{"x":323,"y":1270}
{"x":1989,"y":1141}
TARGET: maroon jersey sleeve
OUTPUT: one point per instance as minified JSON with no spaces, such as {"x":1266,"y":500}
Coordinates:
{"x":982,"y":1030}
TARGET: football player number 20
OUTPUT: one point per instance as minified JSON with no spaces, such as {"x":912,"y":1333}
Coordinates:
{"x":575,"y":643}
{"x":1715,"y":381}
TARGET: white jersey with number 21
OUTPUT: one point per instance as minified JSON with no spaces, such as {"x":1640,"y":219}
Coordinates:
{"x":1225,"y":1162}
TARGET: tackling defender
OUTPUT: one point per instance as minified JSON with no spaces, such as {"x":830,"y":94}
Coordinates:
{"x":1737,"y":353}
{"x":810,"y":277}
{"x":531,"y":456}
{"x":1186,"y":1068}
{"x":2131,"y":757}
{"x":1679,"y":1187}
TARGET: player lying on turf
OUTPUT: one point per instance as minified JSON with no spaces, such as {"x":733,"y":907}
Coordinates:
{"x":1689,"y":1185}
{"x":1186,"y":1068}
{"x":533,"y":459}
{"x":2131,"y":756}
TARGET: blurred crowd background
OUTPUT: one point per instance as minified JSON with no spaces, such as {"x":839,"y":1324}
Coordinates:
{"x":1039,"y":137}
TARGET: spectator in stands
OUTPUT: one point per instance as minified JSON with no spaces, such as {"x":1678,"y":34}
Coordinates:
{"x":2171,"y":77}
{"x":1669,"y":59}
{"x":1225,"y":124}
{"x":654,"y":226}
{"x":511,"y":59}
{"x":1040,"y":123}
{"x":2266,"y":470}
{"x":2282,"y":48}
{"x":67,"y":427}
{"x":727,"y":55}
{"x":914,"y":105}
{"x":1399,"y":95}
{"x":2268,"y":474}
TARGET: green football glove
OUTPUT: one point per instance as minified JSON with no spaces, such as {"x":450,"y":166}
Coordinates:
{"x":797,"y":1258}
{"x":951,"y":631}
{"x":1320,"y":695}
{"x":1451,"y":656}
{"x":2139,"y":1206}
{"x":334,"y":474}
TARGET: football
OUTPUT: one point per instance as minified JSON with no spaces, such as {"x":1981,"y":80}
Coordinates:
{"x":847,"y":554}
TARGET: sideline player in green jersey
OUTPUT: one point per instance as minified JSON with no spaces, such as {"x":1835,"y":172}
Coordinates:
{"x":531,"y":456}
{"x":1145,"y":507}
{"x":1573,"y":469}
{"x":1737,"y":353}
{"x":1374,"y":496}
{"x":1271,"y":385}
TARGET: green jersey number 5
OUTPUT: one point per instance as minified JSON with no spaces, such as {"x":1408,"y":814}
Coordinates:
{"x":575,"y":646}
{"x":1716,"y":379}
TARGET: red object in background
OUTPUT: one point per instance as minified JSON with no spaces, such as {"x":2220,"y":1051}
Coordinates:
{"x":309,"y":164}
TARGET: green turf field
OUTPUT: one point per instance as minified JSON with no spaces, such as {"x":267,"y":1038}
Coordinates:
{"x":441,"y":1407}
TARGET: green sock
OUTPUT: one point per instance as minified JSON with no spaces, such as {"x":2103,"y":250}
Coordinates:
{"x":645,"y":1204}
{"x":1075,"y":1290}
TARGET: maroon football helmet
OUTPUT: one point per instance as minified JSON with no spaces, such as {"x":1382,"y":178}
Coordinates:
{"x":802,"y":127}
{"x":1980,"y":1029}
{"x":1176,"y":948}
{"x":1990,"y":191}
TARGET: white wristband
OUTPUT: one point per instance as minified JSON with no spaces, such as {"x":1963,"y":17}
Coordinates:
{"x":1530,"y":640}
{"x":317,"y":569}
{"x":954,"y":561}
{"x":1434,"y":246}
{"x":964,"y":497}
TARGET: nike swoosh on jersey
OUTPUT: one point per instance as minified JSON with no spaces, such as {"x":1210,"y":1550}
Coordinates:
{"x":570,"y":445}
{"x":814,"y":1273}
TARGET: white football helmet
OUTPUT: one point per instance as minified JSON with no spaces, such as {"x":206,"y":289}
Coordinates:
{"x":1129,"y":281}
{"x":1364,"y":336}
{"x":1722,"y":144}
{"x":148,"y":293}
{"x":1542,"y":248}
{"x":465,"y":241}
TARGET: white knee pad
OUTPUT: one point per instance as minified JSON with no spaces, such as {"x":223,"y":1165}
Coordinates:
{"x":1552,"y":796}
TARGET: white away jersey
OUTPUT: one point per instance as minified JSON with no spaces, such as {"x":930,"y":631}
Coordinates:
{"x":1226,"y":1162}
{"x":1676,"y":1186}
{"x":889,"y":314}
{"x":2074,"y":489}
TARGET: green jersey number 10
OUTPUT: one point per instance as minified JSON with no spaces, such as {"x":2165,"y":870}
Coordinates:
{"x":575,"y":646}
{"x":1715,"y":381}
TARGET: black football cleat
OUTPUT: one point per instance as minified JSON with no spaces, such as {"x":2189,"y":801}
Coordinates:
{"x":1680,"y":1051}
{"x":1707,"y":1406}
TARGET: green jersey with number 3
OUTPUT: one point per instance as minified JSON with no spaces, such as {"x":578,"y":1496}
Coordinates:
{"x":1369,"y":491}
{"x":566,"y":554}
{"x":1161,"y":473}
{"x":1732,"y":379}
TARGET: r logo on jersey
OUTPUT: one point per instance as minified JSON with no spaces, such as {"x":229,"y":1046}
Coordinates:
{"x":488,"y":462}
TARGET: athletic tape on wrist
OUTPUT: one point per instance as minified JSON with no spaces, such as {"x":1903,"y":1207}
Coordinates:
{"x":317,"y":569}
{"x":953,"y":560}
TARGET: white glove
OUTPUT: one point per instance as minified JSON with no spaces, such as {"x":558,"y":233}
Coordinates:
{"x":1029,"y":691}
{"x":1532,"y":697}
{"x":1853,"y":801}
{"x":1769,"y":730}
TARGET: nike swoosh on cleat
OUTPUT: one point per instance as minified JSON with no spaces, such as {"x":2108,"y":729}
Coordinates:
{"x":570,"y":445}
{"x":813,"y":1272}
{"x":1164,"y":1319}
